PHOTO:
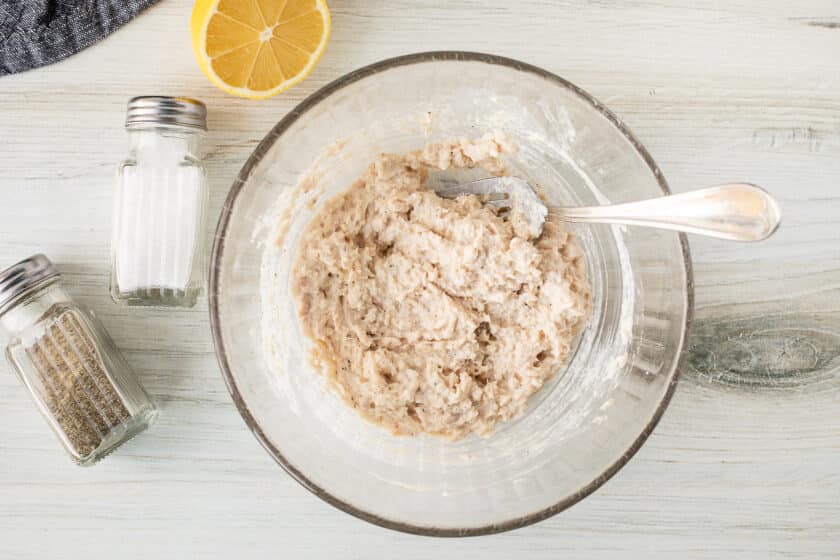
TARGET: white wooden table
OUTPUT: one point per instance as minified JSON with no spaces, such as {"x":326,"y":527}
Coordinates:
{"x":745,"y":460}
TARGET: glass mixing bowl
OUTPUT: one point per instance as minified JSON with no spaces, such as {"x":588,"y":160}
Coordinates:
{"x":581,"y":427}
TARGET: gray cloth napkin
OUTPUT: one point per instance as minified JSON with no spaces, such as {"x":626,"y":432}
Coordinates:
{"x":35,"y":33}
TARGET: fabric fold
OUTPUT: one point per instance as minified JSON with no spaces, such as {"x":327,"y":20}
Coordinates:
{"x":36,"y":33}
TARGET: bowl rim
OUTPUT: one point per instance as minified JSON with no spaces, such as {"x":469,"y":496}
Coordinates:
{"x":214,"y":286}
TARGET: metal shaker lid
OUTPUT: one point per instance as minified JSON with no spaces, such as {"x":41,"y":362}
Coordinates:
{"x":172,"y":111}
{"x":21,"y":278}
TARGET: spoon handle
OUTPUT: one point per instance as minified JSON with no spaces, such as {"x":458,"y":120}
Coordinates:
{"x":737,"y":211}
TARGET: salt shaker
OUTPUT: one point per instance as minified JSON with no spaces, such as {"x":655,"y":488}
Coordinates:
{"x":79,"y":380}
{"x":157,"y":250}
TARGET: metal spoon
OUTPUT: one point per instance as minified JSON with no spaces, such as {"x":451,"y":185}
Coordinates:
{"x":736,"y":211}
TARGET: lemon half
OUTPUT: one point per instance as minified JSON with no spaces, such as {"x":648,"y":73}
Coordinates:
{"x":258,"y":48}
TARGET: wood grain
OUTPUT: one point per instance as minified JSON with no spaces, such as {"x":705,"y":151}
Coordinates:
{"x":745,"y":459}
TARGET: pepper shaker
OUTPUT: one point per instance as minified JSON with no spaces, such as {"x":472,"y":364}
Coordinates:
{"x":77,"y":377}
{"x":157,"y":249}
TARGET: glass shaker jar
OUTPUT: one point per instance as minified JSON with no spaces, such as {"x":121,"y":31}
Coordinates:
{"x":79,"y":380}
{"x":157,"y":250}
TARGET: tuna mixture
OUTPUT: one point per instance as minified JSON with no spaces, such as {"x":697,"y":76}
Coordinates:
{"x":430,"y":315}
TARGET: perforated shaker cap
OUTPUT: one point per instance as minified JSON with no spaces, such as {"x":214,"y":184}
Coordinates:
{"x":21,"y":278}
{"x":172,"y":111}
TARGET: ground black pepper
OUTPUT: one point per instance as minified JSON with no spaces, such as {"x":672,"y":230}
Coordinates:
{"x":74,"y":384}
